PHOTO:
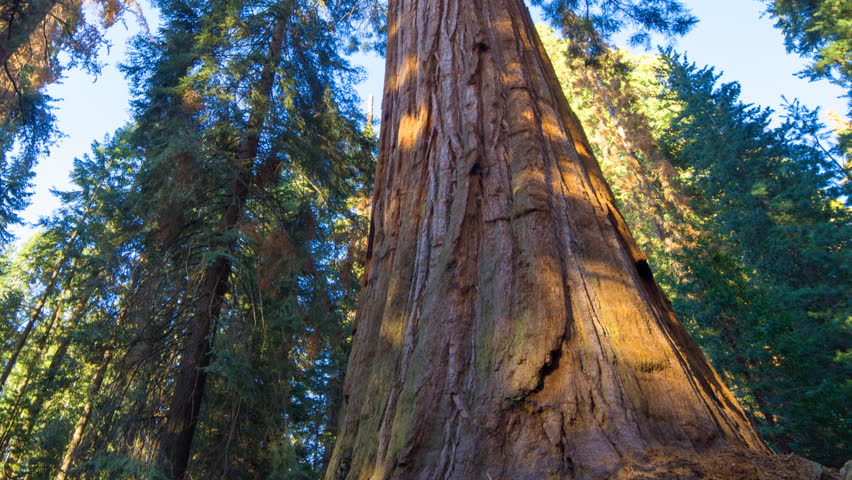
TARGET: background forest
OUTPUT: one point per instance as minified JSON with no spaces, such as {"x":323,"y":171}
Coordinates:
{"x":197,"y":289}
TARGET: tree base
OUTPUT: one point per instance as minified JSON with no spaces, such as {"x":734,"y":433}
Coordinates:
{"x":726,"y":464}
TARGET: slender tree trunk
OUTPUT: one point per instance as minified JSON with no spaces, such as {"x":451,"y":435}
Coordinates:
{"x":176,"y":441}
{"x":40,"y":346}
{"x":14,"y":442}
{"x":509,"y":327}
{"x":35,"y":316}
{"x":48,"y":329}
{"x":85,"y":416}
{"x":50,"y":376}
{"x":17,"y":446}
{"x":35,"y":313}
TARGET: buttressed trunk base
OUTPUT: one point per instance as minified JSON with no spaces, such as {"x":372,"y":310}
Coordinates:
{"x":509,"y":327}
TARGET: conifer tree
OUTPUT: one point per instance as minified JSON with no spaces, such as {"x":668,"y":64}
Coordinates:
{"x":43,"y":392}
{"x":253,"y":152}
{"x":817,"y":29}
{"x":770,"y":269}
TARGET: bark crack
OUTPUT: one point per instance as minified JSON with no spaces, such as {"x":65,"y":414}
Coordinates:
{"x":551,"y":364}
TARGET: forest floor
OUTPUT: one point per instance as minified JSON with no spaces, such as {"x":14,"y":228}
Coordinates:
{"x":668,"y":464}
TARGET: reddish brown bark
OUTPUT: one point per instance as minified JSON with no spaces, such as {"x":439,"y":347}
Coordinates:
{"x":509,"y":327}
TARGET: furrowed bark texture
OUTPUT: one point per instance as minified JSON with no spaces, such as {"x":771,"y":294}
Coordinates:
{"x":509,"y":327}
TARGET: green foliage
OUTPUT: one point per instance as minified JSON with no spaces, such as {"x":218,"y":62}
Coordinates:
{"x":770,"y":270}
{"x":39,"y":39}
{"x":207,"y":87}
{"x":82,"y":246}
{"x":15,"y":293}
{"x":821,"y":30}
{"x":589,"y":25}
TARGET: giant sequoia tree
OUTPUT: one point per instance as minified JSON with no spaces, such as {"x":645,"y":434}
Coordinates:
{"x":509,"y":327}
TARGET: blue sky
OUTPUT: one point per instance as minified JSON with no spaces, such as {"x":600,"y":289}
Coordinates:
{"x":732,"y":35}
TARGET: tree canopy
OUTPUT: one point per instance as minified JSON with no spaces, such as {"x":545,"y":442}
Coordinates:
{"x":820,"y":30}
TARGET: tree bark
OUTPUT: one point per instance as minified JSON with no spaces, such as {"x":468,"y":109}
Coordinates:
{"x":509,"y":326}
{"x":176,"y":442}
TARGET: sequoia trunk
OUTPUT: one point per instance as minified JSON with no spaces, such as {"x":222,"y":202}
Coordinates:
{"x":509,"y":327}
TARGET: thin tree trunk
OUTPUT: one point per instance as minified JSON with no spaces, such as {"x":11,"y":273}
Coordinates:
{"x":48,"y":329}
{"x":35,"y":313}
{"x":16,"y":446}
{"x":176,"y":441}
{"x":50,"y":376}
{"x":22,"y":437}
{"x":85,"y":416}
{"x":42,"y":343}
{"x":509,"y":326}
